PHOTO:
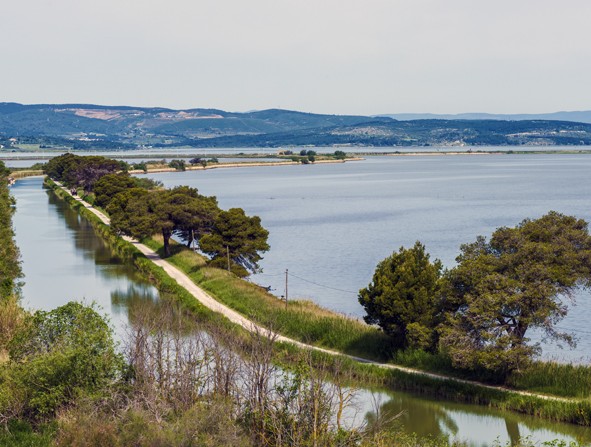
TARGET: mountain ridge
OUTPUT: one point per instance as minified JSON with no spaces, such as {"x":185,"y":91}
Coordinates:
{"x":85,"y":126}
{"x":581,"y":116}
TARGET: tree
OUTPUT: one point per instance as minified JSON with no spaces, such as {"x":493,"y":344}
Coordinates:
{"x":401,"y":297}
{"x":77,"y":171}
{"x":240,"y":236}
{"x":57,"y":357}
{"x":182,"y":210}
{"x":110,"y":185}
{"x":177,"y":164}
{"x":130,"y":213}
{"x":522,"y":278}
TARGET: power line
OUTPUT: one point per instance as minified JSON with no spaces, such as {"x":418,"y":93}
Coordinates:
{"x":268,"y":274}
{"x":322,"y":285}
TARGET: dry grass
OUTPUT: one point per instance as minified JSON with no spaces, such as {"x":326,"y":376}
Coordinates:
{"x":12,"y":317}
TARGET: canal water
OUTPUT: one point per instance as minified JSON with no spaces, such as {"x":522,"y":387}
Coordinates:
{"x":63,"y":260}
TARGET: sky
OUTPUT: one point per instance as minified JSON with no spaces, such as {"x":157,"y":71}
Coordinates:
{"x":324,"y":56}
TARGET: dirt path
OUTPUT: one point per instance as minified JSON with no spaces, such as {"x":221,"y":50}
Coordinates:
{"x":214,"y":305}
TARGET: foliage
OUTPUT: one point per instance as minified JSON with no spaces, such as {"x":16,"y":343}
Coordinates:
{"x":108,"y":186}
{"x":401,"y":297}
{"x":81,"y":172}
{"x":340,"y":155}
{"x":516,"y":281}
{"x":177,"y":164}
{"x":55,"y":358}
{"x":181,"y":210}
{"x":239,"y":237}
{"x":130,"y":213}
{"x":10,"y":267}
{"x":12,"y":317}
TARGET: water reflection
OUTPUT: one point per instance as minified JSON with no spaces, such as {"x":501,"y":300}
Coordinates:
{"x":63,"y":259}
{"x":475,"y":425}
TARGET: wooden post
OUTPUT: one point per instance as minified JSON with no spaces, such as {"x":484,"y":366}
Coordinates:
{"x":286,"y":274}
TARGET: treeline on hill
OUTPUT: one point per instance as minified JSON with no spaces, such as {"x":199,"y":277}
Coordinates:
{"x":477,"y":315}
{"x":142,"y":208}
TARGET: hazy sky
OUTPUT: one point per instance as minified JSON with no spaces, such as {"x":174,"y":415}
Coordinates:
{"x":330,"y":56}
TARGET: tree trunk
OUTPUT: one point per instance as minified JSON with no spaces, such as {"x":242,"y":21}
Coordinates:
{"x":166,"y":238}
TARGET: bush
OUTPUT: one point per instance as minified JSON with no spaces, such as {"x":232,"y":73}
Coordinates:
{"x":55,"y":358}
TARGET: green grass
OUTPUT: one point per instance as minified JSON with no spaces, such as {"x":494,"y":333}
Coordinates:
{"x":22,"y":434}
{"x":554,"y":378}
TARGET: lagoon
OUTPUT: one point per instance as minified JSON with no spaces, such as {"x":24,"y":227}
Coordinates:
{"x":331,"y":224}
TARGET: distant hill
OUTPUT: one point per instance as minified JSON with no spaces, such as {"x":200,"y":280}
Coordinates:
{"x":83,"y":126}
{"x":580,"y":117}
{"x":421,"y":133}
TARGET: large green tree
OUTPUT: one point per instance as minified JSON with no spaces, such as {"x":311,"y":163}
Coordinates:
{"x":401,"y":297}
{"x":182,"y":210}
{"x":84,"y":172}
{"x":239,"y":237}
{"x":523,"y":278}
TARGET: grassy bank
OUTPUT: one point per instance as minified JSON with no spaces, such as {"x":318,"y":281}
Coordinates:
{"x":311,"y":324}
{"x":301,"y":320}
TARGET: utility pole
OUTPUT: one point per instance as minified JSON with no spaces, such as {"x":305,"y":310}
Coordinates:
{"x":228,"y":255}
{"x":286,"y":274}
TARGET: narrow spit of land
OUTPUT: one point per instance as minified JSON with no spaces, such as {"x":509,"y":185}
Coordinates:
{"x":208,"y":301}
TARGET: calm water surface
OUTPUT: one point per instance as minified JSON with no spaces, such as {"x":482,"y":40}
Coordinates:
{"x":63,"y":260}
{"x":331,"y":224}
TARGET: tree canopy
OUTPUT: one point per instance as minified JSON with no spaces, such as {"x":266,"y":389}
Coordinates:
{"x":523,"y":278}
{"x":481,"y":311}
{"x":182,"y":210}
{"x":401,"y":297}
{"x":81,"y":172}
{"x":243,"y":237}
